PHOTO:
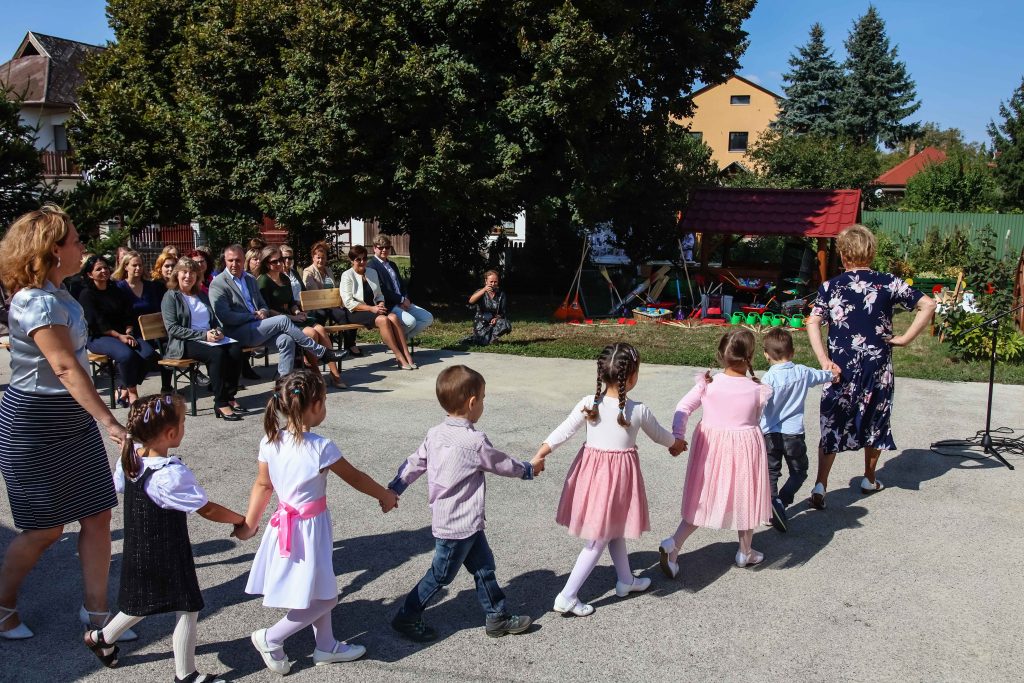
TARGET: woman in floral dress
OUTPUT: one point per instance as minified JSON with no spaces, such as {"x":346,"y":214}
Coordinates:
{"x":491,"y":318}
{"x":857,"y":305}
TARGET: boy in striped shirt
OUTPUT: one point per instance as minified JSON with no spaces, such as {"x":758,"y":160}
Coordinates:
{"x":455,"y":457}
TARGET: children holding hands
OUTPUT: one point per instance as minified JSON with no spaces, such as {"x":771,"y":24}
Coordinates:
{"x":293,"y":568}
{"x":604,"y":500}
{"x":455,"y":457}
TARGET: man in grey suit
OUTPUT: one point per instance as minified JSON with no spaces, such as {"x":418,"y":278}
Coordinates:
{"x":241,"y":310}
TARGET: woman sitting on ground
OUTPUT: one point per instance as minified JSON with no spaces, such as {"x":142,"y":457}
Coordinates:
{"x":277,"y":293}
{"x":491,"y":318}
{"x":112,"y":328}
{"x":190,"y":321}
{"x":318,"y":276}
{"x":361,"y":295}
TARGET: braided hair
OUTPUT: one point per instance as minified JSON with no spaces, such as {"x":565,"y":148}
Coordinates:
{"x":616,"y":363}
{"x":148,"y":417}
{"x":735,"y":348}
{"x":293,"y":395}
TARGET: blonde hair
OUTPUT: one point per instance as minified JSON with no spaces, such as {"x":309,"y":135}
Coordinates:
{"x":856,"y":245}
{"x":249,"y":256}
{"x":121,"y":272}
{"x":293,"y":395}
{"x":26,"y":251}
{"x":184,"y":264}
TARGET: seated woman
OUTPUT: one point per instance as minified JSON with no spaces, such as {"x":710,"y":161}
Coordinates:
{"x":252,"y":261}
{"x":361,"y":295}
{"x":277,"y":293}
{"x":491,"y":318}
{"x":163,"y":267}
{"x":190,"y":321}
{"x":202,"y":259}
{"x":112,"y":328}
{"x":145,"y":296}
{"x":318,"y":276}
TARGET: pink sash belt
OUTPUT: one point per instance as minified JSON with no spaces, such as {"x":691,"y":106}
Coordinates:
{"x":284,"y":518}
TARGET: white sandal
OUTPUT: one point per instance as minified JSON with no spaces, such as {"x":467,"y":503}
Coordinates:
{"x":574,"y":606}
{"x":19,"y":632}
{"x":867,"y":486}
{"x":85,"y":616}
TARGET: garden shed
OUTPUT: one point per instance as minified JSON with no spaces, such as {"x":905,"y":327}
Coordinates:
{"x":820,"y":214}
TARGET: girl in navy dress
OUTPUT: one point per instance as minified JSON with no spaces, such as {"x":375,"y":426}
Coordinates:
{"x":857,"y":305}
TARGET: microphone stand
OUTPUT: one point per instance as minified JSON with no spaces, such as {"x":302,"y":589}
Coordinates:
{"x":986,"y":438}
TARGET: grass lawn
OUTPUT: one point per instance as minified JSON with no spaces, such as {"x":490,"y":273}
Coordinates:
{"x":536,"y":334}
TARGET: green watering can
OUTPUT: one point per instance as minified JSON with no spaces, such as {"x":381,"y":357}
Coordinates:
{"x":751,"y":318}
{"x":736,"y":318}
{"x":766,"y":319}
{"x":797,"y":321}
{"x":778,"y":320}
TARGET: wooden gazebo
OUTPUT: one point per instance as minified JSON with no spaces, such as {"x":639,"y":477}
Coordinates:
{"x":821,"y":214}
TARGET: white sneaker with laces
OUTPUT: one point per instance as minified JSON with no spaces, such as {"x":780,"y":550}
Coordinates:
{"x":639,"y":585}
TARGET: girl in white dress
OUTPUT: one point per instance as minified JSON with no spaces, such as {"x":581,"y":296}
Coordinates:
{"x":293,"y":567}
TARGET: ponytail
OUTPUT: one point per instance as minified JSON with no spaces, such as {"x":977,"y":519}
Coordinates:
{"x":293,"y":395}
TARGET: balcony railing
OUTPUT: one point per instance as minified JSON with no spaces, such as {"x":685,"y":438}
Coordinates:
{"x":59,"y":165}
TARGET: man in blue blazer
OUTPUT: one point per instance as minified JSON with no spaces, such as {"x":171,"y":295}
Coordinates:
{"x":241,"y":310}
{"x":396,"y":298}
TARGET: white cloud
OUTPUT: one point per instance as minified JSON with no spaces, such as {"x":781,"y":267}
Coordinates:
{"x":754,"y":78}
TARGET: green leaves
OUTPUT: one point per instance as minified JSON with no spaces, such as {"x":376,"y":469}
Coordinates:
{"x":1008,"y":143}
{"x":21,"y":171}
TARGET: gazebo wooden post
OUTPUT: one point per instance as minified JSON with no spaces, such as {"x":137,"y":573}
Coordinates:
{"x":705,"y":254}
{"x":823,"y":259}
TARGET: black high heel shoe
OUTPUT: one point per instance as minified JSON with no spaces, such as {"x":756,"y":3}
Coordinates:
{"x":229,"y":417}
{"x":240,"y":409}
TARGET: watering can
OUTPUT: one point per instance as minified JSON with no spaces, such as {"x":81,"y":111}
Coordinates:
{"x":736,"y":318}
{"x":751,"y":318}
{"x":766,"y":319}
{"x":778,"y":320}
{"x":797,"y":321}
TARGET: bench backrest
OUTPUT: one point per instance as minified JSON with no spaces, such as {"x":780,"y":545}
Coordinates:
{"x":315,"y":299}
{"x":152,"y":326}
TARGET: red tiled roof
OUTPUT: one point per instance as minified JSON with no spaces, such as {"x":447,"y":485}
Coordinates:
{"x":899,"y":174}
{"x":740,"y":211}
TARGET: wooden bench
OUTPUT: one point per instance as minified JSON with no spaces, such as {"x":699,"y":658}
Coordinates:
{"x":152,"y":328}
{"x":100,"y":364}
{"x":319,"y":299}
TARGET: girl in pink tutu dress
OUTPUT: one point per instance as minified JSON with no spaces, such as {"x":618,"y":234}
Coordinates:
{"x":727,"y":476}
{"x":603,"y":500}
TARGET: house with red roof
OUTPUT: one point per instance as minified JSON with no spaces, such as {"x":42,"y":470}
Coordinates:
{"x":894,"y":181}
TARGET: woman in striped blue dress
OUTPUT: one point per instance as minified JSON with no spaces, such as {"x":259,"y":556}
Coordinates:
{"x":52,"y":456}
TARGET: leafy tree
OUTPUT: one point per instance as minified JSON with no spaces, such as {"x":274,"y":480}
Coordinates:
{"x":1008,"y":146}
{"x":957,"y":184}
{"x":21,"y":172}
{"x":808,"y":162}
{"x":813,"y":89}
{"x":878,"y":94}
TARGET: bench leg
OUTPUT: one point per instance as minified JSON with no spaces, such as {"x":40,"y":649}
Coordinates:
{"x":108,"y":368}
{"x":192,"y":387}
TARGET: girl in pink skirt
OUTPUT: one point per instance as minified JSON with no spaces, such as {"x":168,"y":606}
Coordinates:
{"x":603,"y":500}
{"x":727,"y":476}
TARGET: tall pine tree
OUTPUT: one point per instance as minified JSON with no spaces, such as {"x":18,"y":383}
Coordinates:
{"x":813,"y":89}
{"x":1008,"y":144}
{"x":878,"y":94}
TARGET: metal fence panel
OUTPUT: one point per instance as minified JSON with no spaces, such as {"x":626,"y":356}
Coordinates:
{"x":1009,"y":228}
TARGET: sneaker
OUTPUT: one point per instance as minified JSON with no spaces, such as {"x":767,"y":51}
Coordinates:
{"x":260,"y":352}
{"x":201,"y":379}
{"x":818,"y":496}
{"x":638,"y":585}
{"x":779,"y":519}
{"x":503,"y":626}
{"x":416,"y":631}
{"x":342,"y":652}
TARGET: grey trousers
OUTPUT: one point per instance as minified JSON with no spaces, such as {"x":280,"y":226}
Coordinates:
{"x":283,"y":331}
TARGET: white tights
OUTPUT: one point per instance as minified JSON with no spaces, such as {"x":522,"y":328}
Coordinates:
{"x":746,"y":537}
{"x":184,"y":640}
{"x":317,"y":615}
{"x":588,"y":559}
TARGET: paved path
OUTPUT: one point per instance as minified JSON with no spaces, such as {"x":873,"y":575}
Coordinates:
{"x":921,"y":582}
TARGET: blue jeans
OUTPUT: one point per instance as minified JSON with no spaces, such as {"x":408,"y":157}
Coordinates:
{"x":132,"y":363}
{"x":449,"y":555}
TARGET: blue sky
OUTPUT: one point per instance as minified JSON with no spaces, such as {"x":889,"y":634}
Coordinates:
{"x":966,"y":57}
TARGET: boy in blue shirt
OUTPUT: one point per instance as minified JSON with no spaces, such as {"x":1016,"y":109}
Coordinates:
{"x":782,"y":421}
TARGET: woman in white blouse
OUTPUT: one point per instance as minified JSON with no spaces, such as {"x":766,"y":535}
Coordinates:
{"x":193,"y":332}
{"x":361,"y":295}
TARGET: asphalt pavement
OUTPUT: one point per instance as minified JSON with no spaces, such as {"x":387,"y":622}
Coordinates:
{"x":920,"y":582}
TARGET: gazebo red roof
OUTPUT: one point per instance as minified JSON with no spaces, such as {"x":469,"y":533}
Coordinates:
{"x":741,"y":211}
{"x":898,"y":175}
